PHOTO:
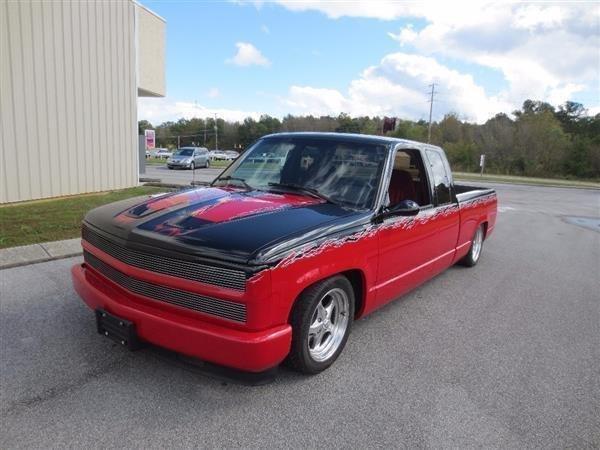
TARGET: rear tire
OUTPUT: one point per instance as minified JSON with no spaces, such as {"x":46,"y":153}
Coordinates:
{"x":474,"y":254}
{"x":321,"y":321}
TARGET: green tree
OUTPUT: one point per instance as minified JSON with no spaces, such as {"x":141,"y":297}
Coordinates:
{"x":144,"y":125}
{"x":540,"y":140}
{"x":541,"y":144}
{"x":347,"y":124}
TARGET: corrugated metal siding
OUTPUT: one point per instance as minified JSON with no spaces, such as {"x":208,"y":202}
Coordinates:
{"x":68,"y":121}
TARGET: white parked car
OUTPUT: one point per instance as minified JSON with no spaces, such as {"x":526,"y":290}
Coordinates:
{"x":217,"y":155}
{"x":163,"y":153}
{"x":223,"y":155}
{"x":232,"y":155}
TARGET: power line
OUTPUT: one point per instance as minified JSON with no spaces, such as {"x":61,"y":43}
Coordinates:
{"x":216,"y":133}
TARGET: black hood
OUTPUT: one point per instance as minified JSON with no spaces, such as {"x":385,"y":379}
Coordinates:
{"x":254,"y":227}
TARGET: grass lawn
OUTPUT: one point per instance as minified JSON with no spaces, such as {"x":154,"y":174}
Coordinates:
{"x":55,"y":219}
{"x":526,"y":180}
{"x":219,"y":164}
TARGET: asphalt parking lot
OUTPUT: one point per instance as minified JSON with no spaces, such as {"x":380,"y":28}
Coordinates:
{"x":180,"y":176}
{"x":506,"y":354}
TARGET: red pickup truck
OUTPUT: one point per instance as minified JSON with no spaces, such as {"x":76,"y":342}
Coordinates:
{"x":299,"y":237}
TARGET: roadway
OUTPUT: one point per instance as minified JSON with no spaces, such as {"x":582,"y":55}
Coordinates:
{"x":505,"y":354}
{"x":180,"y":176}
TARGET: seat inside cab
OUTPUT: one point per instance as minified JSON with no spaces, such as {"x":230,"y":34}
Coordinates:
{"x":409,"y":179}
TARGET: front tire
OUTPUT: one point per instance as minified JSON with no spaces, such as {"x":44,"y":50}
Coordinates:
{"x":207,"y":164}
{"x":474,"y":254}
{"x":192,"y":166}
{"x":321,"y":322}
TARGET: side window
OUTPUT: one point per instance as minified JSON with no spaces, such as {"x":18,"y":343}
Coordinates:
{"x":409,"y":179}
{"x":441,"y":181}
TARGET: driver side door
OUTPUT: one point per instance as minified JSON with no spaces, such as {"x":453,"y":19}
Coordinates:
{"x":407,"y":244}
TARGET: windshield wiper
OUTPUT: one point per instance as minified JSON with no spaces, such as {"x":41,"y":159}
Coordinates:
{"x":306,"y":189}
{"x":241,"y":180}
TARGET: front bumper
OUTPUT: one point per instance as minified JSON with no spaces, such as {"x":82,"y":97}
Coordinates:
{"x":177,"y":165}
{"x":252,"y":351}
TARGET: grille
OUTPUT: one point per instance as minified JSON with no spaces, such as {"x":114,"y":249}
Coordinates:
{"x":216,"y":307}
{"x":217,"y":276}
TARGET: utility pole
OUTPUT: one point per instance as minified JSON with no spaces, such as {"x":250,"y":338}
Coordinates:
{"x":216,"y":133}
{"x":430,"y":111}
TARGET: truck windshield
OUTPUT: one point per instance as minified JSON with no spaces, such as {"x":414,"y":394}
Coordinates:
{"x":346,"y":173}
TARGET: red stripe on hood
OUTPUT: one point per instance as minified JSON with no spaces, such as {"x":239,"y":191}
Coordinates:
{"x":235,"y":206}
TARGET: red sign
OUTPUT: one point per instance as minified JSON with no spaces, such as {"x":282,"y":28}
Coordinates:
{"x":150,"y":139}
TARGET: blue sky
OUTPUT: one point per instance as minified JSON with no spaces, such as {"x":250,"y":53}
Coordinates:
{"x":376,"y":58}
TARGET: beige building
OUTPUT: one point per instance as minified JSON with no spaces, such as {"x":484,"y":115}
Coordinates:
{"x":71,"y":73}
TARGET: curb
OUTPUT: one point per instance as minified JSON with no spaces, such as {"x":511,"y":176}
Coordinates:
{"x":37,"y":253}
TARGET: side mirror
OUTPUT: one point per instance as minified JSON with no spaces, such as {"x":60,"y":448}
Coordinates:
{"x":404,"y":208}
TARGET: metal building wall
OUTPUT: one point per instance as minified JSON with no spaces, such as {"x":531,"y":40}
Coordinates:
{"x":68,"y":98}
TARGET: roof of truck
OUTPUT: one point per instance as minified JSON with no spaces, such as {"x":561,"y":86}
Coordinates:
{"x":354,"y":137}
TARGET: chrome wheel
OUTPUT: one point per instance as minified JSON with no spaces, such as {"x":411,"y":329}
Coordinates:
{"x":328,"y":324}
{"x":477,"y":243}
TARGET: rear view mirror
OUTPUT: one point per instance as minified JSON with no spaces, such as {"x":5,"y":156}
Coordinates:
{"x":404,"y":208}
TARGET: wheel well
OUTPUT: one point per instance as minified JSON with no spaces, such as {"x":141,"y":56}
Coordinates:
{"x":485,"y":228}
{"x":356,"y":278}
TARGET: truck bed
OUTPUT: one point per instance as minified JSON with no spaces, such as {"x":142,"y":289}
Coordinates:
{"x":466,"y":192}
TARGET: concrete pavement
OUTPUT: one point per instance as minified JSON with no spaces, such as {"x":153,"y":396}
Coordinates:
{"x":46,"y":251}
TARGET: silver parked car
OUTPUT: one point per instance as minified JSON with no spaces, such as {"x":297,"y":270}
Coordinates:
{"x":189,"y":158}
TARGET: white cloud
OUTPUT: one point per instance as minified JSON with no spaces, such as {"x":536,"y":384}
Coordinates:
{"x":248,"y":55}
{"x":406,"y":35}
{"x":213,"y":92}
{"x":376,"y":9}
{"x":159,"y":110}
{"x":535,"y":16}
{"x":317,"y":101}
{"x":396,"y":87}
{"x":544,"y":51}
{"x":593,"y":110}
